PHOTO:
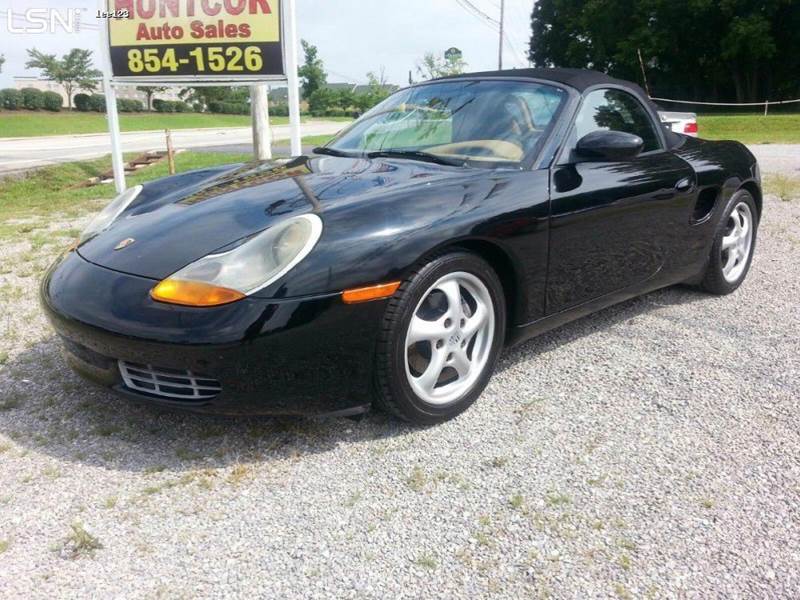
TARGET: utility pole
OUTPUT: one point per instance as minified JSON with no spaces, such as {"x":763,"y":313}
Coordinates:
{"x":500,"y":51}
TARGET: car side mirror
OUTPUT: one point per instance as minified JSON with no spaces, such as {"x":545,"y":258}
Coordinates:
{"x":609,"y":145}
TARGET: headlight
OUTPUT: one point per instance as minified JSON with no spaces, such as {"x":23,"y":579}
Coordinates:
{"x":229,"y":276}
{"x":107,"y":216}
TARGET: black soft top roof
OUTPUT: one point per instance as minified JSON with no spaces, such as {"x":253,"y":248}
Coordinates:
{"x":580,"y":79}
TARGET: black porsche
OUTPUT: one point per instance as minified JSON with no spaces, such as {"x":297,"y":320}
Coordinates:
{"x":393,"y":264}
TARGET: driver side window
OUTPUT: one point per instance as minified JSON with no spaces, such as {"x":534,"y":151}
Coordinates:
{"x":615,"y":110}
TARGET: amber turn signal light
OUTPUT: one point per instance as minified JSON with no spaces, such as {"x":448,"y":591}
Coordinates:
{"x":193,"y":293}
{"x":373,"y":292}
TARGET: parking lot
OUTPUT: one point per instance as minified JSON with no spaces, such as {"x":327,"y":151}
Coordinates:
{"x":650,"y":450}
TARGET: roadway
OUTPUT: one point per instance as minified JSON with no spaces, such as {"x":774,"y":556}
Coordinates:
{"x":24,"y":153}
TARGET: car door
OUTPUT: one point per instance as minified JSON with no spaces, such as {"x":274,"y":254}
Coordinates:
{"x":611,"y":221}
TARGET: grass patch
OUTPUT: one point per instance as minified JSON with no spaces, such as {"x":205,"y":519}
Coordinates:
{"x":53,"y":189}
{"x":783,"y":186}
{"x":751,"y":129}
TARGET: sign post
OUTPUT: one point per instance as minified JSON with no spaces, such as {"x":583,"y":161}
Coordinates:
{"x":189,"y":43}
{"x":259,"y":109}
{"x":293,"y":80}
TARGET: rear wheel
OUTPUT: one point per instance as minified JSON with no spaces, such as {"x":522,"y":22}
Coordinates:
{"x":734,"y":243}
{"x":442,"y":334}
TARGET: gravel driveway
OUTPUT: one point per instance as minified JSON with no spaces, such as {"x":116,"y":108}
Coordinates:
{"x":650,"y":450}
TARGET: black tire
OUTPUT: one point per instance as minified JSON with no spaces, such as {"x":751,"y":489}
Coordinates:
{"x":714,"y":281}
{"x":393,"y":392}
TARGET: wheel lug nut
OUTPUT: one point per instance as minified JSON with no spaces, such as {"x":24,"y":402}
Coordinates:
{"x":463,"y":322}
{"x":448,"y":322}
{"x":450,"y":357}
{"x":439,"y":344}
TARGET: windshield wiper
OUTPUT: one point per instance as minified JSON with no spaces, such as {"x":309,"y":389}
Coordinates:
{"x":332,"y":152}
{"x":417,"y":155}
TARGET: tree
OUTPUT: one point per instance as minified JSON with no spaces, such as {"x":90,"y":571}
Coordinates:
{"x":312,"y":73}
{"x":751,"y":54}
{"x":149,"y":91}
{"x":432,"y":66}
{"x":73,"y":71}
{"x":2,"y":60}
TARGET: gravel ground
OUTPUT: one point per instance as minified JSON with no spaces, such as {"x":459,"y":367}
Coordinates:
{"x":650,"y":450}
{"x":777,"y":158}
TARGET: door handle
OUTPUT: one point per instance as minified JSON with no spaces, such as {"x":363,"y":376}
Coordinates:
{"x":684,"y":185}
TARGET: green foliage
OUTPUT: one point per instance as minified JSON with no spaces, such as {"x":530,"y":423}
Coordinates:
{"x":10,"y":99}
{"x":82,"y":102}
{"x":322,"y":100}
{"x":149,"y":91}
{"x":432,"y":66}
{"x":204,"y":96}
{"x":97,"y":103}
{"x":229,"y":108}
{"x":52,"y":101}
{"x":74,"y":70}
{"x":171,"y":106}
{"x":735,"y":49}
{"x":312,"y":73}
{"x":32,"y":99}
{"x":129,"y":105}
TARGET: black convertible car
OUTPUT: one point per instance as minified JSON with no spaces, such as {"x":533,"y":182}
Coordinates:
{"x":393,"y":264}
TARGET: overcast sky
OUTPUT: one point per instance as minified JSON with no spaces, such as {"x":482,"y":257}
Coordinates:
{"x":353,"y":36}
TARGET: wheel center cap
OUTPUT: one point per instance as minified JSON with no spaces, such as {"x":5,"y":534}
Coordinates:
{"x":455,"y":339}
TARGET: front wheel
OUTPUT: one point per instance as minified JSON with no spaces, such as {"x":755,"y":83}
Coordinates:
{"x":442,"y":334}
{"x":734,"y":243}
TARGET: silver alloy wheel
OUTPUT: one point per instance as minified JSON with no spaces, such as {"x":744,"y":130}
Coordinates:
{"x":737,"y":242}
{"x":449,"y":338}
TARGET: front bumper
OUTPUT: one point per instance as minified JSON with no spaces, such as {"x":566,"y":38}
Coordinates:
{"x":303,"y":356}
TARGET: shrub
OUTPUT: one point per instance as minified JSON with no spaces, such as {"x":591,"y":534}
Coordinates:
{"x":321,"y":101}
{"x":129,"y":105}
{"x":279,"y":110}
{"x":11,"y":98}
{"x":32,"y":99}
{"x":97,"y":103}
{"x":170,"y":106}
{"x":52,"y":101}
{"x":82,"y":102}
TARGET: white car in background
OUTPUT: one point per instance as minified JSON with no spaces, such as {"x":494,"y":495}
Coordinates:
{"x":680,"y":122}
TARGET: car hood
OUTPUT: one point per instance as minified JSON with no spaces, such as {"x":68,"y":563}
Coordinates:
{"x":180,"y":219}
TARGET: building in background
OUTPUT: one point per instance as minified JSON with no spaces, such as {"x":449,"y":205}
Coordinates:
{"x":125,"y":91}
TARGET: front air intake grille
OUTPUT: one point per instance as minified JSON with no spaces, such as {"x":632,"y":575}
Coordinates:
{"x":171,"y":384}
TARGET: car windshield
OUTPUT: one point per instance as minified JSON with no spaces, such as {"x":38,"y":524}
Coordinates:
{"x":482,"y":123}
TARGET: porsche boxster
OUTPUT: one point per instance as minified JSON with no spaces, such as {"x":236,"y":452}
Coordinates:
{"x":392,"y":265}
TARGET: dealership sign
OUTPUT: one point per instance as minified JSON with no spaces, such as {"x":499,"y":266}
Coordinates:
{"x":190,"y":40}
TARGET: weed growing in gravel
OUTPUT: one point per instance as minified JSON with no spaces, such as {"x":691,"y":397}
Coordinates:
{"x":80,"y":543}
{"x":352,"y":500}
{"x":417,"y":479}
{"x":4,"y":544}
{"x":3,"y":358}
{"x":110,"y":502}
{"x":107,"y":430}
{"x":426,"y":561}
{"x":238,"y":474}
{"x":622,"y":592}
{"x":707,"y":503}
{"x":517,"y":501}
{"x":557,"y":499}
{"x":625,"y":562}
{"x":4,"y":447}
{"x":10,"y":401}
